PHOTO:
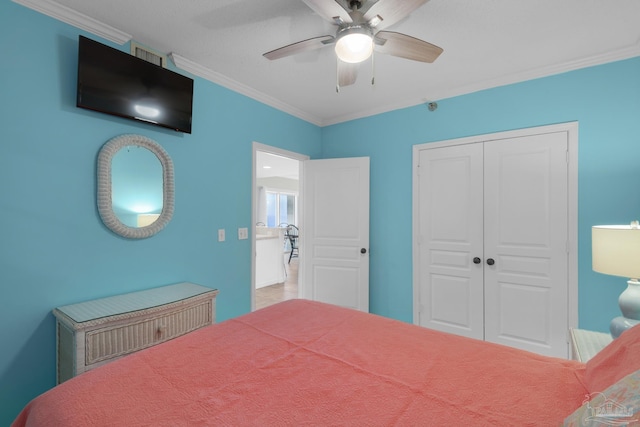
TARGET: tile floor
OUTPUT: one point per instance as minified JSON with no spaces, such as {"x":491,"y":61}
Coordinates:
{"x":273,"y":294}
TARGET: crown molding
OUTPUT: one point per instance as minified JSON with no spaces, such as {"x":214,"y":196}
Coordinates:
{"x":84,"y":22}
{"x":613,"y":56}
{"x":208,"y":74}
{"x":79,"y":20}
{"x":71,"y":17}
{"x":565,"y":67}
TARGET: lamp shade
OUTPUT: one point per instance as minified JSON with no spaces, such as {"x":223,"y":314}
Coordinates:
{"x":616,"y":250}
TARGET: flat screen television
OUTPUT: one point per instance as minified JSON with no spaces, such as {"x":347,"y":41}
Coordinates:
{"x":113,"y":82}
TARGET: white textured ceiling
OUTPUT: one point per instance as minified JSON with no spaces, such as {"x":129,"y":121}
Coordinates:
{"x":486,"y":43}
{"x":271,"y":165}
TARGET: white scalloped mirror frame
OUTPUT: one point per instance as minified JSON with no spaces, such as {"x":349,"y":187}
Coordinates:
{"x":105,"y":205}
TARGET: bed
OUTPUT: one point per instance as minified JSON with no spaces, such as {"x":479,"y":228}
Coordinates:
{"x":302,"y":363}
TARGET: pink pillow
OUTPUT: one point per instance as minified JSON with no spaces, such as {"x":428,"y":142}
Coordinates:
{"x":614,"y":362}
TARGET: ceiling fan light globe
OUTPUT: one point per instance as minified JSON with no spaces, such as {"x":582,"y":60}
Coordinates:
{"x":354,"y":48}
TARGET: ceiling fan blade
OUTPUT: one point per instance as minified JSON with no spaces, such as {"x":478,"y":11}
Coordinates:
{"x":299,"y":47}
{"x":392,"y":11}
{"x":329,"y":9}
{"x":347,"y":73}
{"x":404,"y":46}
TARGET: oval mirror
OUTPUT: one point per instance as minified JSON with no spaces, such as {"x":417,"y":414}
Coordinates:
{"x":135,"y":186}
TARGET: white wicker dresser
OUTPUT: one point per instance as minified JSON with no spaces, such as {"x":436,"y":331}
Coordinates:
{"x":92,"y":333}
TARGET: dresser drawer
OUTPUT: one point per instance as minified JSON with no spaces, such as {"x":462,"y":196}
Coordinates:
{"x":106,"y":343}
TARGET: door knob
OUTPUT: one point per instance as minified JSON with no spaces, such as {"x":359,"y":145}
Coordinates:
{"x":477,"y":260}
{"x":490,"y":261}
{"x":363,"y":251}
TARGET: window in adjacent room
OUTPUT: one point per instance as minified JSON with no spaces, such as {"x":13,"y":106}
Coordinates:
{"x":281,"y":208}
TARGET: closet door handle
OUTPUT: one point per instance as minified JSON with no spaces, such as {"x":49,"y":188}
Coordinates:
{"x":477,"y":260}
{"x":490,"y":261}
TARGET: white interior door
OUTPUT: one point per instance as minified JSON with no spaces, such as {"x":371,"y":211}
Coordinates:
{"x":451,"y":234}
{"x":526,"y":234}
{"x":334,"y":242}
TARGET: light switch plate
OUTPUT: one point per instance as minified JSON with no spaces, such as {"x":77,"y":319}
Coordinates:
{"x":243,"y":233}
{"x":221,"y":235}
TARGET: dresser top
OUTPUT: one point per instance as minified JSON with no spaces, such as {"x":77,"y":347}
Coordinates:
{"x":134,"y":301}
{"x":587,"y":344}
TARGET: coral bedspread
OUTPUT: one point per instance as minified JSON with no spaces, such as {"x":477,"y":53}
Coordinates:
{"x":307,"y":363}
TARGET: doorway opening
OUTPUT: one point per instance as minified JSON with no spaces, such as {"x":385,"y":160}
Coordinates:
{"x":273,"y":294}
{"x":276,"y":219}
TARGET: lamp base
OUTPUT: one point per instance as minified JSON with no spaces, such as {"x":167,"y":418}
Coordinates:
{"x":629,"y":300}
{"x":621,"y":324}
{"x":629,"y":303}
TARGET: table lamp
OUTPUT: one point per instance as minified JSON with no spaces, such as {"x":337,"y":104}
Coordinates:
{"x":616,"y":251}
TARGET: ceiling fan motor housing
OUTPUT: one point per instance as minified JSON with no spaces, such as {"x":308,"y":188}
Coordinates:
{"x":354,"y":29}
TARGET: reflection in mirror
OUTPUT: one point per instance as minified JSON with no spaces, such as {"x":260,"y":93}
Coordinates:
{"x":135,"y":186}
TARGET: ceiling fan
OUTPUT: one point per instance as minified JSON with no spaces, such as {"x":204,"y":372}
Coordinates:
{"x":360,"y":30}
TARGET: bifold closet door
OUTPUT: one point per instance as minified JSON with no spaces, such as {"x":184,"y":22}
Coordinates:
{"x":526,"y":234}
{"x":493,"y":233}
{"x":451,"y":236}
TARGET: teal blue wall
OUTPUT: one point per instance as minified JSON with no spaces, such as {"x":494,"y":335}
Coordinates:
{"x":605,"y":100}
{"x":54,"y":249}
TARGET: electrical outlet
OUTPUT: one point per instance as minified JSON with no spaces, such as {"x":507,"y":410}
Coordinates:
{"x":243,"y":233}
{"x":221,"y":235}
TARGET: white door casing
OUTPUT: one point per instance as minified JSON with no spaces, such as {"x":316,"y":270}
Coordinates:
{"x":334,"y":246}
{"x":528,"y":181}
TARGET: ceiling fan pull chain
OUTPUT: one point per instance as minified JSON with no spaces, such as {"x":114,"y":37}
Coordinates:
{"x":373,"y":68}
{"x":337,"y":76}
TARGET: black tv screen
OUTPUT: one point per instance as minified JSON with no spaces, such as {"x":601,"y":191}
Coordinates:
{"x":114,"y":82}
